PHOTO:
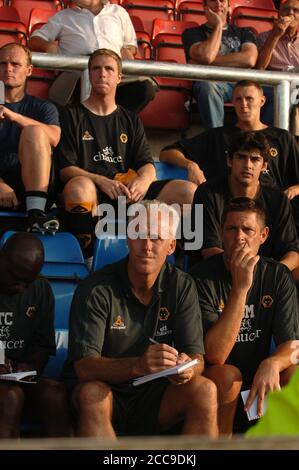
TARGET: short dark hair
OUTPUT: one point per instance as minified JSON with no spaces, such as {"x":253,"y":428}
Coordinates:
{"x":27,"y":51}
{"x":250,"y":141}
{"x":244,"y":204}
{"x":107,"y":52}
{"x":245,"y":83}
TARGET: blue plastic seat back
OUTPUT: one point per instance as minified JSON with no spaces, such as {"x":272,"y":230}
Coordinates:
{"x":110,"y":250}
{"x":63,"y":247}
{"x":12,"y":214}
{"x":54,"y":366}
{"x":166,"y":171}
{"x":63,"y":290}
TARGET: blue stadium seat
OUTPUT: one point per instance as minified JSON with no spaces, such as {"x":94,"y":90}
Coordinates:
{"x":109,"y":250}
{"x":64,"y":267}
{"x":20,"y":214}
{"x":167,"y":171}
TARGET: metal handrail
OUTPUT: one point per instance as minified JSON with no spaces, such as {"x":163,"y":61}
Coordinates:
{"x":280,"y":80}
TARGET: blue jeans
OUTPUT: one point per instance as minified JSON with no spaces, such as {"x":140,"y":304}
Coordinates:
{"x":210,"y":97}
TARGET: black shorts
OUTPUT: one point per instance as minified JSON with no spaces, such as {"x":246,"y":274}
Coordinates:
{"x":153,"y":191}
{"x":136,"y":408}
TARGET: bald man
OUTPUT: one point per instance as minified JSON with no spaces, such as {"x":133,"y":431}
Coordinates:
{"x":27,"y":333}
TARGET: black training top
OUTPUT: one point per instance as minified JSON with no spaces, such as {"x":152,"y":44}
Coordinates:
{"x":270,"y":310}
{"x":103,"y":145}
{"x":107,"y":319}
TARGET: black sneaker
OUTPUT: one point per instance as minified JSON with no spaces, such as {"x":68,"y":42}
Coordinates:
{"x":40,"y":222}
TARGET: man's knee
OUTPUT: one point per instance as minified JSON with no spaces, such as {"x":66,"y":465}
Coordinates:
{"x":201,"y":390}
{"x":92,"y":394}
{"x":34,"y":134}
{"x":52,"y":395}
{"x":224,"y":376}
{"x":79,"y":189}
{"x":186,"y":190}
{"x":11,"y":401}
{"x":178,"y":191}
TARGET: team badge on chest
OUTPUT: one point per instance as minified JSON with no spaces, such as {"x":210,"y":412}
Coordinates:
{"x":30,"y":312}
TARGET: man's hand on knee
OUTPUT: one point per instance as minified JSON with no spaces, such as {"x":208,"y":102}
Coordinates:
{"x":8,"y":197}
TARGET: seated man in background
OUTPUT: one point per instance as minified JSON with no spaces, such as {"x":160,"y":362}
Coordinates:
{"x":248,"y":159}
{"x":220,"y":44}
{"x":279,"y":50}
{"x":245,"y":300}
{"x":116,"y":314}
{"x":27,"y":338}
{"x":205,"y":156}
{"x":29,"y":131}
{"x":104,"y":154}
{"x":90,"y":25}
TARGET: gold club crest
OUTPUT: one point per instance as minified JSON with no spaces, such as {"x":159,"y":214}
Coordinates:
{"x":123,"y":138}
{"x":267,"y":301}
{"x":273,"y":152}
{"x":30,"y":311}
{"x":164,"y":314}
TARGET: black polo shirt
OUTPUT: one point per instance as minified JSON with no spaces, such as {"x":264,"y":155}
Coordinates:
{"x":211,"y":148}
{"x":107,"y":319}
{"x":104,"y":145}
{"x":27,"y":322}
{"x":270,"y":310}
{"x":215,"y":194}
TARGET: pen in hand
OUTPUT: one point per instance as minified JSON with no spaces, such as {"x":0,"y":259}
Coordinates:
{"x":152,"y":340}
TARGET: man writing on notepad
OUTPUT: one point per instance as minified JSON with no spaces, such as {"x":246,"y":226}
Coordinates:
{"x":27,"y":337}
{"x":114,"y":314}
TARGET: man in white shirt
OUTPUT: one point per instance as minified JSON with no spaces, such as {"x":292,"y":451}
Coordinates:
{"x":90,"y":25}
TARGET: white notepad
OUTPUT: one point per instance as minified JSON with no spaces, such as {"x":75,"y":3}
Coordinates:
{"x":166,"y":372}
{"x":2,"y":353}
{"x":252,"y":412}
{"x":25,"y":377}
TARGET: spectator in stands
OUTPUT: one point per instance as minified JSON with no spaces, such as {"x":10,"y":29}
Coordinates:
{"x":26,"y":334}
{"x":247,"y":160}
{"x":206,"y":154}
{"x":28,"y":132}
{"x":114,"y":314}
{"x":245,"y":300}
{"x":217,"y":43}
{"x":279,"y":50}
{"x":91,"y":25}
{"x":104,"y":154}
